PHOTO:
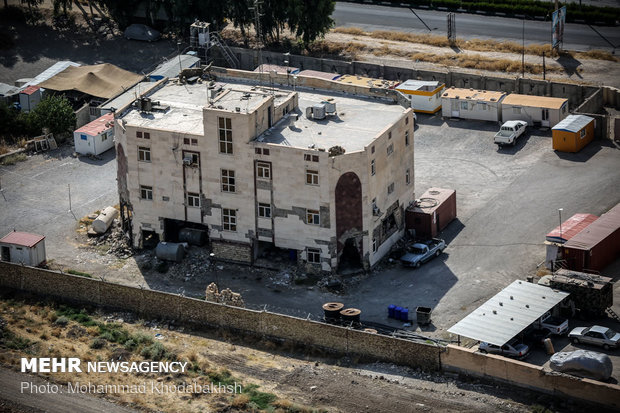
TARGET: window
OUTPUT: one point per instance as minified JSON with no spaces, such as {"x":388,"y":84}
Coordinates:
{"x":191,"y":158}
{"x":545,"y":114}
{"x":139,"y":134}
{"x":146,"y":192}
{"x":463,"y":105}
{"x":193,"y":200}
{"x":263,"y":170}
{"x":407,"y":138}
{"x":261,"y":151}
{"x":225,"y":135}
{"x":372,"y":167}
{"x":228,"y":180}
{"x":229,"y":219}
{"x":312,"y":177}
{"x":374,"y":245}
{"x":407,"y":120}
{"x":190,"y":141}
{"x":407,"y":177}
{"x":372,"y":149}
{"x":390,"y":188}
{"x":582,"y":133}
{"x":104,"y":136}
{"x":311,"y":158}
{"x":516,"y":110}
{"x":313,"y":217}
{"x":265,"y":151}
{"x":264,"y":210}
{"x":390,"y":149}
{"x":313,"y":255}
{"x":390,"y":135}
{"x":144,"y":154}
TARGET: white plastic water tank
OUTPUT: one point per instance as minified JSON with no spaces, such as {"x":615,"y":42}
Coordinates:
{"x":104,"y":220}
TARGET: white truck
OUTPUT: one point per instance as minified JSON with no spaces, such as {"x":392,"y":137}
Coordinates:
{"x":510,"y":132}
{"x":554,"y":325}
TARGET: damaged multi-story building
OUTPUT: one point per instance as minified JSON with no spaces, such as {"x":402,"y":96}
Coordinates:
{"x":322,"y":174}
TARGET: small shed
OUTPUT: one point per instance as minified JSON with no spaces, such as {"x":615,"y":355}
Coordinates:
{"x":597,"y":246}
{"x":535,"y":110}
{"x":573,"y":133}
{"x":430,"y":214}
{"x":29,"y":98}
{"x":95,"y":137}
{"x":23,"y":248}
{"x":472,"y":104}
{"x":425,"y":96}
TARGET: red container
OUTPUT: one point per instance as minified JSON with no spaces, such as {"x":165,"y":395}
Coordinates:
{"x":434,"y":211}
{"x":596,"y":246}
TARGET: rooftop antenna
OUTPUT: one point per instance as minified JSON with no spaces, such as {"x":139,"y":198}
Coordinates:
{"x":259,"y":44}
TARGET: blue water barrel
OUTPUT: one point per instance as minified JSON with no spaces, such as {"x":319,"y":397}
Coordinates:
{"x":397,"y":312}
{"x":391,"y":308}
{"x":404,"y":314}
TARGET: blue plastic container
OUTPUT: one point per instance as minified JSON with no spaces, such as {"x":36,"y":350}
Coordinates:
{"x":404,"y":314}
{"x":397,"y":312}
{"x":391,"y":308}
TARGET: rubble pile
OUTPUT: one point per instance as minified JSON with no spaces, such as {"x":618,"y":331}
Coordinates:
{"x":225,"y":297}
{"x":115,"y":239}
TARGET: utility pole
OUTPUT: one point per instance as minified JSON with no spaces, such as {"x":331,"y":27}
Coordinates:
{"x":560,"y":213}
{"x":523,"y":51}
{"x":259,"y":44}
{"x":544,"y":68}
{"x":69,"y":187}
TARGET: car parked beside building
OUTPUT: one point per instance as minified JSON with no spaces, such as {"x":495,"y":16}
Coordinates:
{"x":595,"y":335}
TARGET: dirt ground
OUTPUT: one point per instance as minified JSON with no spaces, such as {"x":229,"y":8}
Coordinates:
{"x":297,"y":379}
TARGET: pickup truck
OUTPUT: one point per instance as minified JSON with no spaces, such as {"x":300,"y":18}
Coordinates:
{"x":554,"y":325}
{"x":510,"y":132}
{"x":419,"y":253}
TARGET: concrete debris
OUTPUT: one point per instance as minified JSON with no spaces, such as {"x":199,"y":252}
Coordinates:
{"x":225,"y":297}
{"x":114,"y":241}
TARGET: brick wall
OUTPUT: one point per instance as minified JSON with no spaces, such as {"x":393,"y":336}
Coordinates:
{"x":232,"y":252}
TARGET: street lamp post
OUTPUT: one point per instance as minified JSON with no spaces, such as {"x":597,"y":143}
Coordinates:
{"x":560,"y":214}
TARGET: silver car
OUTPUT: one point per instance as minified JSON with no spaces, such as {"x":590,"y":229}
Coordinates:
{"x":510,"y":349}
{"x":595,"y":335}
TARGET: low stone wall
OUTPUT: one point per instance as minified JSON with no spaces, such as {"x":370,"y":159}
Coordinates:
{"x":156,"y":304}
{"x":232,"y":252}
{"x":467,"y":361}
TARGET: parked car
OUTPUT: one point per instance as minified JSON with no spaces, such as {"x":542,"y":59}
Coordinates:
{"x":419,"y":253}
{"x":554,"y":325}
{"x":511,"y":349}
{"x":582,"y":363}
{"x":595,"y":335}
{"x":141,"y":32}
{"x":510,"y":132}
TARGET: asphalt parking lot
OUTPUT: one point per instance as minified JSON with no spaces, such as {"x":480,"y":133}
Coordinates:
{"x":507,"y":200}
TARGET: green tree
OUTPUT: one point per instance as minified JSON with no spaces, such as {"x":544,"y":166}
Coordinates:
{"x":53,"y":112}
{"x":310,"y":19}
{"x":241,"y":16}
{"x":61,"y":7}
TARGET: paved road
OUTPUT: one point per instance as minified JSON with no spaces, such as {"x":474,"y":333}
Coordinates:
{"x":61,"y":402}
{"x":371,"y":17}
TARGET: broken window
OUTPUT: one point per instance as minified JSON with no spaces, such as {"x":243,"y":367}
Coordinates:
{"x":228,"y":180}
{"x":264,"y":210}
{"x":390,"y":135}
{"x":583,"y":133}
{"x":144,"y":154}
{"x":104,"y":136}
{"x":390,"y":149}
{"x":225,"y":135}
{"x":372,"y":149}
{"x":390,"y":188}
{"x":146,"y":192}
{"x":372,"y":167}
{"x":139,"y":134}
{"x":313,"y":255}
{"x":312,"y":177}
{"x":263,"y":170}
{"x":229,"y":219}
{"x":193,"y":199}
{"x":311,"y":158}
{"x":407,"y":138}
{"x":374,"y":245}
{"x":313,"y":217}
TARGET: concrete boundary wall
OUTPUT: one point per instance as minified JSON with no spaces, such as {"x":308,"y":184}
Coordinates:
{"x":339,"y":340}
{"x":468,"y":361}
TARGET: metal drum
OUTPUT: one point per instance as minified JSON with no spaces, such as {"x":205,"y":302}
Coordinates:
{"x":350,"y":315}
{"x":332,"y":311}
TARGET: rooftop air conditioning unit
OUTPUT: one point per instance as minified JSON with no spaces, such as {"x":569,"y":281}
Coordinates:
{"x":187,"y":161}
{"x":318,"y":111}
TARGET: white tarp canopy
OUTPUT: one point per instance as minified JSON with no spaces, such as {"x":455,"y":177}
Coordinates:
{"x":508,"y":313}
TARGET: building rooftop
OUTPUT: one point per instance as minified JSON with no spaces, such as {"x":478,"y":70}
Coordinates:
{"x":597,"y":231}
{"x":355,"y":125}
{"x":571,"y":227}
{"x":419,"y":85}
{"x":573,"y":123}
{"x":473,"y":94}
{"x":534,"y":101}
{"x":172,"y":68}
{"x":30,"y":90}
{"x":23,"y":239}
{"x":367,"y":81}
{"x":128,"y":96}
{"x":99,"y":125}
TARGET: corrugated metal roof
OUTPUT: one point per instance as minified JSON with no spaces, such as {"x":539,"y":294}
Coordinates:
{"x":573,"y":123}
{"x":25,"y":239}
{"x":534,"y":101}
{"x":508,"y":313}
{"x":30,"y":90}
{"x":99,"y":125}
{"x":432,"y":199}
{"x":51,"y":71}
{"x":571,"y":227}
{"x":419,"y":84}
{"x":597,"y":231}
{"x":172,"y":68}
{"x":473,"y":94}
{"x":8,"y":90}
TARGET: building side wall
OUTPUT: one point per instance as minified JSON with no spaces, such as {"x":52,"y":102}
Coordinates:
{"x":474,"y":109}
{"x":425,"y":103}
